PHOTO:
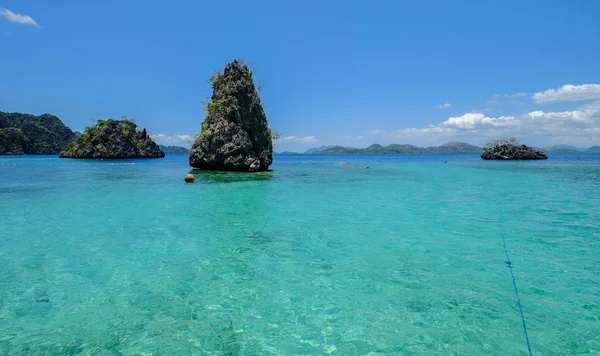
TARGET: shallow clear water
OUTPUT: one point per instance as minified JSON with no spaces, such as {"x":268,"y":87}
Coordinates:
{"x":123,"y":258}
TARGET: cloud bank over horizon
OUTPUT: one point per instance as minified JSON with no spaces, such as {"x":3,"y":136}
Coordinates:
{"x":578,"y":126}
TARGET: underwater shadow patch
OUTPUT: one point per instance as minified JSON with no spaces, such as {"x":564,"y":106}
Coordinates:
{"x":22,"y":190}
{"x":214,"y":177}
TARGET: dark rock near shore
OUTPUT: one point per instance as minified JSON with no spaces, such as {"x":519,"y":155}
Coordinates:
{"x":512,"y":152}
{"x":113,"y":139}
{"x":235,"y":134}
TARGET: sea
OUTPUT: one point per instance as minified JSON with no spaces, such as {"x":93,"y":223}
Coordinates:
{"x":414,"y":255}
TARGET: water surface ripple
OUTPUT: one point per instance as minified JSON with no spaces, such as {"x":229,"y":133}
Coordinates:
{"x":123,"y":258}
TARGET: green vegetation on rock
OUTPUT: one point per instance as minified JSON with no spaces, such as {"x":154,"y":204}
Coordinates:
{"x":30,"y":134}
{"x":113,"y":139}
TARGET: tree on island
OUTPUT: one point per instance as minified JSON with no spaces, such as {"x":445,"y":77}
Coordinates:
{"x":509,"y":148}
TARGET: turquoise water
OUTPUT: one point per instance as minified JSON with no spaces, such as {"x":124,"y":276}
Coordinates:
{"x":123,"y":258}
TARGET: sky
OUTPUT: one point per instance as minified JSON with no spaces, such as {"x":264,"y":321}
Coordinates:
{"x":332,"y":72}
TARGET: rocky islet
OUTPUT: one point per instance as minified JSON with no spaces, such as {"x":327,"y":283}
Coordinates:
{"x":235,"y":134}
{"x":113,"y":139}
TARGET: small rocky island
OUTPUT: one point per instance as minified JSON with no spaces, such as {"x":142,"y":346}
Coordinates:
{"x":510,"y":149}
{"x":113,"y":139}
{"x":235,"y":134}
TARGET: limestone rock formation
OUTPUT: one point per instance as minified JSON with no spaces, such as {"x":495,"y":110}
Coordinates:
{"x":113,"y":139}
{"x":235,"y":134}
{"x":511,"y":149}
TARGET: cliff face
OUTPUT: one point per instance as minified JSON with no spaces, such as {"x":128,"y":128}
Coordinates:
{"x":30,"y":134}
{"x":113,"y":139}
{"x":235,"y":134}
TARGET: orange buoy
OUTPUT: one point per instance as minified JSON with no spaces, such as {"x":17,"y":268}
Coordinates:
{"x":189,"y":178}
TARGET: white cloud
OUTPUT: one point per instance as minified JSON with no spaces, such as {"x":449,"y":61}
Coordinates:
{"x":477,"y":120}
{"x":445,"y":106}
{"x":307,"y":139}
{"x":377,"y":132}
{"x":173,"y":140}
{"x":569,"y":116}
{"x":568,"y":93}
{"x":515,"y":95}
{"x":496,"y":98}
{"x":431,"y":131}
{"x":17,"y":18}
{"x":353,"y":138}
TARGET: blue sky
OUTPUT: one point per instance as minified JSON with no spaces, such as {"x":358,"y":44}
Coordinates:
{"x":333,"y":72}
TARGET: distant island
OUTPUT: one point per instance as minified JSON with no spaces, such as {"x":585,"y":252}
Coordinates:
{"x":33,"y":135}
{"x":593,"y":149}
{"x":113,"y":139}
{"x":174,"y":150}
{"x":450,"y":147}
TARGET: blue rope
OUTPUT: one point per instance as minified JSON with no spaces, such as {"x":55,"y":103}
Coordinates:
{"x":512,"y":274}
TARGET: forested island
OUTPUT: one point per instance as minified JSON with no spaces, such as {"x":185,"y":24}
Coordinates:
{"x":113,"y":139}
{"x":29,"y":134}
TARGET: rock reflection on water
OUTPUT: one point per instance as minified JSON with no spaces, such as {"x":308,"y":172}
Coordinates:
{"x":210,"y":177}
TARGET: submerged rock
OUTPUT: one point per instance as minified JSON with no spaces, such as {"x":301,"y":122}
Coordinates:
{"x":512,"y":151}
{"x":113,"y":139}
{"x":235,"y":134}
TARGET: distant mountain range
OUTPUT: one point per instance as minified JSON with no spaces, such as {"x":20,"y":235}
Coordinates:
{"x":174,"y":149}
{"x":563,"y":147}
{"x":309,"y":151}
{"x":315,"y":149}
{"x":593,"y":149}
{"x":567,"y":149}
{"x":450,"y":147}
